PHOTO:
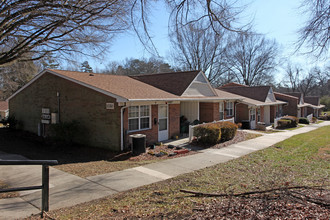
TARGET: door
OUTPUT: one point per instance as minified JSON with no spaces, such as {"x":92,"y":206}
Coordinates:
{"x":253,"y":118}
{"x":162,"y":122}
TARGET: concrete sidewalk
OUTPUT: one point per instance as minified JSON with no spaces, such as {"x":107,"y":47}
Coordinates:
{"x":68,"y":190}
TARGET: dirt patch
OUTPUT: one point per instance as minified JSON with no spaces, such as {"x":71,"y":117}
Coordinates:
{"x":6,"y":195}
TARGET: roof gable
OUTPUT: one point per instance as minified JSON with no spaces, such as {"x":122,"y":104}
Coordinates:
{"x":200,"y":86}
{"x":270,"y":96}
{"x":298,"y":95}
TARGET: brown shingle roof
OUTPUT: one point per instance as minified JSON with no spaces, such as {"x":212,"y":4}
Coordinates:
{"x":285,"y":95}
{"x":227,"y":95}
{"x":232,"y":84}
{"x":314,"y":100}
{"x":256,"y":92}
{"x":123,"y":86}
{"x":175,"y":82}
{"x":3,"y":105}
{"x":295,"y":94}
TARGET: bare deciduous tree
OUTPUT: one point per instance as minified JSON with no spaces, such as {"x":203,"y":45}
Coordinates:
{"x":316,"y":32}
{"x":197,"y":47}
{"x":66,"y":27}
{"x":15,"y":76}
{"x":252,"y":59}
{"x":41,"y":27}
{"x":292,"y":77}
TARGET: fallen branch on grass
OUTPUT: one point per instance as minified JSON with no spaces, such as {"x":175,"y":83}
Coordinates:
{"x":248,"y":193}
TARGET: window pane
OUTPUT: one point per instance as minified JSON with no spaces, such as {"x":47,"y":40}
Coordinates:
{"x":221,"y":107}
{"x":144,"y":123}
{"x":133,"y":111}
{"x":144,"y":110}
{"x":133,"y":124}
{"x":162,"y":111}
{"x":162,"y":124}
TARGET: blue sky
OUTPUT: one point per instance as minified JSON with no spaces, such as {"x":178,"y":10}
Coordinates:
{"x":277,"y":19}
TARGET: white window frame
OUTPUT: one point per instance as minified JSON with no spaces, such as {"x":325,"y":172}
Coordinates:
{"x":258,"y":114}
{"x":139,"y":118}
{"x":221,"y":110}
{"x":230,"y":108}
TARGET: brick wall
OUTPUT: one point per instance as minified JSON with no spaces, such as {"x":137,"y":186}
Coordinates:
{"x":152,"y":133}
{"x":174,"y":120}
{"x":262,"y":114}
{"x":292,"y":107}
{"x":208,"y":111}
{"x":242,"y":112}
{"x":99,"y":127}
{"x":272,"y":113}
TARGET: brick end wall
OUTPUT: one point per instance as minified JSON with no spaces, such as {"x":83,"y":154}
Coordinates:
{"x":209,"y":112}
{"x":242,"y":112}
{"x":99,"y":127}
{"x":291,"y":108}
{"x":174,"y":120}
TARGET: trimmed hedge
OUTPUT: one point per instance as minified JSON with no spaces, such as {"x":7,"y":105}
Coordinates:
{"x":208,"y":133}
{"x":228,"y":130}
{"x":303,"y":121}
{"x":293,"y":121}
{"x":215,"y":132}
{"x":284,"y":123}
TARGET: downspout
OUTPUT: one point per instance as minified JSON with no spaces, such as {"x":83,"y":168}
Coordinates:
{"x":235,"y":111}
{"x":122,"y":127}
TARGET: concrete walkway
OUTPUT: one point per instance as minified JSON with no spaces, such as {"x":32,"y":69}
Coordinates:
{"x":68,"y":190}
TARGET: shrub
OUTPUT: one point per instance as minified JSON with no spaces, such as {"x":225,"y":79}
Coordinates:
{"x":228,"y":130}
{"x":239,"y":125}
{"x":208,"y":133}
{"x":303,"y":121}
{"x":314,"y":120}
{"x":10,"y":122}
{"x":294,"y":121}
{"x":284,"y":123}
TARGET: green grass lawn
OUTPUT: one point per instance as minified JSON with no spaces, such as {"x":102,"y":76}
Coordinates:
{"x":302,"y":160}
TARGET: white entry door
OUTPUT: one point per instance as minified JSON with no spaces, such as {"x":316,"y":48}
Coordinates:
{"x":253,"y":118}
{"x":162,"y":122}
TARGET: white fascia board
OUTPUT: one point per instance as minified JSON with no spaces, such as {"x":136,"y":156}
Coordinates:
{"x":208,"y":83}
{"x":118,"y":98}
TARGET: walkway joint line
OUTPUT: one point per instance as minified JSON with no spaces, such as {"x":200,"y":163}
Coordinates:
{"x":152,"y":173}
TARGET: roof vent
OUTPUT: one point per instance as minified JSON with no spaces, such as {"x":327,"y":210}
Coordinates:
{"x":91,"y":74}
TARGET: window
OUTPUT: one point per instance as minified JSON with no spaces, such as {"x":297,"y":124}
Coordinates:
{"x":229,"y":107}
{"x":138,"y":117}
{"x":252,"y":114}
{"x":221,"y":108}
{"x":258,"y":114}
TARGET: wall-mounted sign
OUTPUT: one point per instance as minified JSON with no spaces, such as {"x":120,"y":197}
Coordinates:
{"x":109,"y":105}
{"x":45,"y":116}
{"x":45,"y":121}
{"x":45,"y":111}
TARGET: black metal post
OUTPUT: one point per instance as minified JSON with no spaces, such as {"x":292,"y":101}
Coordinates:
{"x":45,"y":189}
